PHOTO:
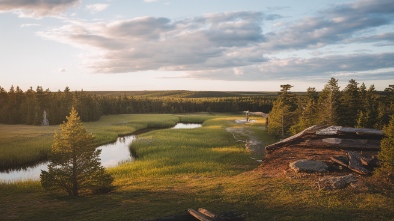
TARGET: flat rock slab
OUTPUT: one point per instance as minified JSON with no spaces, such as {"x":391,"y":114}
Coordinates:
{"x":335,"y":130}
{"x":309,"y":166}
{"x":340,"y":182}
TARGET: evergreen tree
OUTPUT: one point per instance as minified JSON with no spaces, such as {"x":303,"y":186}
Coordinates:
{"x":307,"y":111}
{"x":282,"y":115}
{"x":350,"y":104}
{"x":368,"y":115}
{"x":386,"y":153}
{"x":329,"y":104}
{"x":74,"y":162}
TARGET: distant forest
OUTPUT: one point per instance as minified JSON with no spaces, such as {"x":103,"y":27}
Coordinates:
{"x":27,"y":107}
{"x":354,"y":106}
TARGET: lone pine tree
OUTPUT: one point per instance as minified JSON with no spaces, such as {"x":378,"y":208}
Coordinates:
{"x":74,"y":162}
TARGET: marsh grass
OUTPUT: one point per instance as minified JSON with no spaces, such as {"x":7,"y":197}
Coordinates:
{"x":23,"y":145}
{"x":205,"y":151}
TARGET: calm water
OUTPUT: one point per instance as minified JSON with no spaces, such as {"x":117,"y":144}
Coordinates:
{"x":186,"y":126}
{"x":111,"y":155}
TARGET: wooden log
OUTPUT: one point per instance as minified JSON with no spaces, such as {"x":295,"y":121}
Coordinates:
{"x":352,"y":162}
{"x":207,"y":212}
{"x":199,"y":215}
{"x":341,"y":160}
{"x":355,"y":163}
{"x":292,"y":139}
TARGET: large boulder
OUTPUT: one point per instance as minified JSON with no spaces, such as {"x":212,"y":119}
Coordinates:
{"x":309,"y":166}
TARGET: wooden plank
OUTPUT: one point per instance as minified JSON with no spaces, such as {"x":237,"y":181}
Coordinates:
{"x":207,"y":212}
{"x":199,"y":215}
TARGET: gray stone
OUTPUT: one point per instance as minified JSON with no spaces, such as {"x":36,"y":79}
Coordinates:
{"x":308,"y":166}
{"x":339,"y":182}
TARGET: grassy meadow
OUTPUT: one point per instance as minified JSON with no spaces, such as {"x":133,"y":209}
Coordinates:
{"x":189,"y":168}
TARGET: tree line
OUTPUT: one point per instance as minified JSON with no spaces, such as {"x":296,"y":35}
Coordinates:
{"x":27,"y":107}
{"x":354,"y":106}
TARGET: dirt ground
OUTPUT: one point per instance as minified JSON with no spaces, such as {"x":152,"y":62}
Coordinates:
{"x":276,"y":163}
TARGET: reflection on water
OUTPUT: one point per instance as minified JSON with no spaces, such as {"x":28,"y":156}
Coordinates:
{"x":111,"y":155}
{"x":186,"y":126}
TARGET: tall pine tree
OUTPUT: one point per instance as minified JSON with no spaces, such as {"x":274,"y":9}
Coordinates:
{"x":329,"y":104}
{"x":74,"y":162}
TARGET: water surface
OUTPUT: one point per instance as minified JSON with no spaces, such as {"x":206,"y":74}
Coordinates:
{"x":111,"y":155}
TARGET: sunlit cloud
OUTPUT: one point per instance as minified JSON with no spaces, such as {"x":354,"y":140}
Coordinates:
{"x":37,"y":8}
{"x":233,"y":45}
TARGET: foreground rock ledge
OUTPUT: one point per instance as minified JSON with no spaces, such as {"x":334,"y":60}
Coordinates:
{"x":319,"y":136}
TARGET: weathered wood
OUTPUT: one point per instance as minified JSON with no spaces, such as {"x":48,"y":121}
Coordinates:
{"x":369,"y":161}
{"x":341,"y":160}
{"x":199,"y":215}
{"x":292,"y":139}
{"x":355,"y":163}
{"x":207,"y":212}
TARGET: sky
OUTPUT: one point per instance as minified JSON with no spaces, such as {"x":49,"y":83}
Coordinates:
{"x":200,"y":45}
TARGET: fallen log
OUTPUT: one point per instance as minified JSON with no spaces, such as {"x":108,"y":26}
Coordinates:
{"x":293,"y":139}
{"x":355,"y":163}
{"x":199,"y":215}
{"x":352,"y":161}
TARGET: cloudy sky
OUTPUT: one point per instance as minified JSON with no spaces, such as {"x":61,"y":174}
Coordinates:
{"x":228,"y":45}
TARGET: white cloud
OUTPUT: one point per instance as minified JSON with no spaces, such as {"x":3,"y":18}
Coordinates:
{"x":148,"y":43}
{"x":94,"y":8}
{"x":37,"y":8}
{"x":29,"y":25}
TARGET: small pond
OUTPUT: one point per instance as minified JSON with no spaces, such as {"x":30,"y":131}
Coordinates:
{"x":111,"y":155}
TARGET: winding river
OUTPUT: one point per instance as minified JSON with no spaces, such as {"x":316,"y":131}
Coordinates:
{"x":111,"y":155}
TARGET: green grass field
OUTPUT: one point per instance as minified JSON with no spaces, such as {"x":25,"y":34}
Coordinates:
{"x":180,"y":169}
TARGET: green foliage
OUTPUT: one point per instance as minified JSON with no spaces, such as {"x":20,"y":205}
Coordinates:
{"x":282,"y":115}
{"x":386,"y":154}
{"x":74,"y":163}
{"x":329,"y":104}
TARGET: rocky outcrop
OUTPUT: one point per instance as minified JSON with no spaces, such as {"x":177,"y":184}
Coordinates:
{"x":345,"y":138}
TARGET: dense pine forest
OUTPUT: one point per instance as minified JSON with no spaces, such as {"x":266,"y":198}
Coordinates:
{"x":27,"y":107}
{"x":353,"y":106}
